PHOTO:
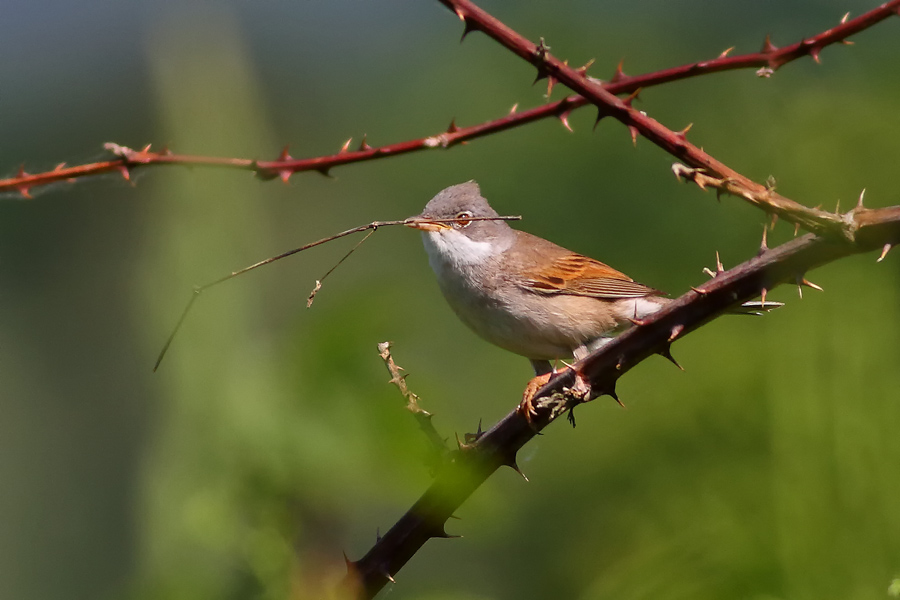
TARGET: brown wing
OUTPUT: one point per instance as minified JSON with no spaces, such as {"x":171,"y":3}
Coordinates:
{"x":578,"y":275}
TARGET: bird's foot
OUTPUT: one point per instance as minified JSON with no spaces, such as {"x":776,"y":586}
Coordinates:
{"x":526,"y":408}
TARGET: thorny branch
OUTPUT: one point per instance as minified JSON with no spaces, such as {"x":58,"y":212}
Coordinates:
{"x":472,"y":464}
{"x":423,"y":417}
{"x":702,"y":168}
{"x":767,"y":61}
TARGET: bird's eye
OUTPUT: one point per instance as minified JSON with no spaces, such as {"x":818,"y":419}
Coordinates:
{"x":463,"y":217}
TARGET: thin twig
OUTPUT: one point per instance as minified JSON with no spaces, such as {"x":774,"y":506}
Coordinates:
{"x":374,"y":225}
{"x":422,"y":416}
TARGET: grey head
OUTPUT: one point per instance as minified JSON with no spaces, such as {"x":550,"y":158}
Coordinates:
{"x":465,"y":200}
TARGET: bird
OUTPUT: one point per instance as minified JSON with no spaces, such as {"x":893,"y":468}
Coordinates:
{"x":523,"y":293}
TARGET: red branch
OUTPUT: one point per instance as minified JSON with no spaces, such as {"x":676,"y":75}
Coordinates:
{"x":767,"y":60}
{"x":705,"y":170}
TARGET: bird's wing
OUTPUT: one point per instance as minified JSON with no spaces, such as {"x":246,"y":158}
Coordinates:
{"x":578,"y":275}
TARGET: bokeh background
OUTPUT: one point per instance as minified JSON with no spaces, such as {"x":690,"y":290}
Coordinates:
{"x":270,"y":442}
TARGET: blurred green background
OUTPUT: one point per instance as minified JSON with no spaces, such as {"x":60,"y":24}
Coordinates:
{"x":270,"y":441}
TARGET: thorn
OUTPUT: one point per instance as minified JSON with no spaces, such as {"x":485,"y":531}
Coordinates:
{"x":859,"y":203}
{"x":364,"y":145}
{"x":146,"y":149}
{"x":884,"y":251}
{"x":634,"y":134}
{"x":284,"y":156}
{"x":844,"y":18}
{"x":762,"y":296}
{"x":564,"y":119}
{"x":59,"y":167}
{"x":512,"y":464}
{"x":346,"y":146}
{"x":676,"y":331}
{"x":469,"y":28}
{"x":773,"y":221}
{"x":377,"y":534}
{"x":583,"y":69}
{"x":541,"y":74}
{"x":796,"y":229}
{"x":452,"y":128}
{"x":701,"y":291}
{"x":837,"y":208}
{"x":459,"y":13}
{"x":388,"y":577}
{"x":612,"y":392}
{"x":807,"y":283}
{"x":619,"y":74}
{"x":551,"y":81}
{"x":719,"y":267}
{"x":814,"y":52}
{"x":324,"y":171}
{"x":126,"y":172}
{"x":635,"y":95}
{"x":768,"y":47}
{"x":667,"y":354}
{"x":683,"y":133}
{"x":600,"y":115}
{"x":799,"y":290}
{"x":165,"y":151}
{"x":847,"y":42}
{"x":515,"y":106}
{"x":23,"y":189}
{"x":763,"y":246}
{"x":726,"y":52}
{"x":620,"y":363}
{"x":350,"y":564}
{"x":442,"y":533}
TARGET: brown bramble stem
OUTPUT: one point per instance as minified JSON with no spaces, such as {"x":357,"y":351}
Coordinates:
{"x":770,"y":58}
{"x":470,"y":466}
{"x":702,"y":168}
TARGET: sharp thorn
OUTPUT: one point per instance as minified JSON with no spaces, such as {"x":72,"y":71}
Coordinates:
{"x":884,"y":251}
{"x":762,"y":296}
{"x":346,"y":146}
{"x":719,"y":267}
{"x":515,"y":107}
{"x":726,"y":52}
{"x":807,"y":283}
{"x":676,"y":331}
{"x":764,"y":245}
{"x":667,"y":354}
{"x":564,"y":119}
{"x":859,"y":203}
{"x":844,"y":18}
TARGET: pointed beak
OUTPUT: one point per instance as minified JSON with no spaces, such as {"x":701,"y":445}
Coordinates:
{"x":423,"y":224}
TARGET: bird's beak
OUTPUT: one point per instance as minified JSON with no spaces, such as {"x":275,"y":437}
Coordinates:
{"x":423,"y":224}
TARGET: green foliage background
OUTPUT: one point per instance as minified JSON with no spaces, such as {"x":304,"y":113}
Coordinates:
{"x":269,"y":441}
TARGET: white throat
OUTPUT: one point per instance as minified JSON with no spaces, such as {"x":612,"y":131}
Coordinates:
{"x":455,"y":249}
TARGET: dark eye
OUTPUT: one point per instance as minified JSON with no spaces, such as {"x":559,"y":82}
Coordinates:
{"x":463,"y":217}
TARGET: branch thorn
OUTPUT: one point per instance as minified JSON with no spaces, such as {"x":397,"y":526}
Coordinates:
{"x":515,"y":107}
{"x":619,"y":74}
{"x":764,"y":245}
{"x":844,"y":18}
{"x":583,"y":69}
{"x":564,"y":119}
{"x":884,"y":251}
{"x":807,"y":283}
{"x":768,"y":47}
{"x":634,"y":134}
{"x":364,"y":145}
{"x":346,"y":146}
{"x":676,"y":331}
{"x":726,"y":52}
{"x":859,"y":203}
{"x":666,"y":353}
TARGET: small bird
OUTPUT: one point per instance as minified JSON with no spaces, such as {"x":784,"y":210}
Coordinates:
{"x":524,"y":293}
